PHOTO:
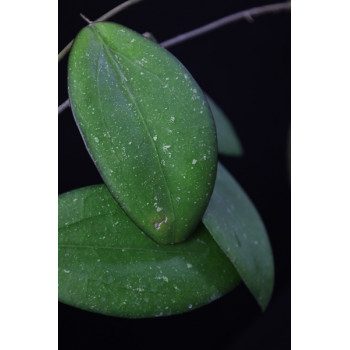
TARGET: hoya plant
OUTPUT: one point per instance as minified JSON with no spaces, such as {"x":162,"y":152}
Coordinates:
{"x":170,"y":229}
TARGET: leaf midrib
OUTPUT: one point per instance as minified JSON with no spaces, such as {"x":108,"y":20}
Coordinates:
{"x":134,"y":101}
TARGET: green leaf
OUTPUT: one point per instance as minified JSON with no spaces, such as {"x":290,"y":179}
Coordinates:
{"x":107,"y":265}
{"x":236,"y":226}
{"x":228,"y":141}
{"x":147,"y":126}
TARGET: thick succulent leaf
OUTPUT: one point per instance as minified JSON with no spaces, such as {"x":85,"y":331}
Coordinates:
{"x":107,"y":265}
{"x":228,"y":141}
{"x":236,"y":226}
{"x":147,"y":126}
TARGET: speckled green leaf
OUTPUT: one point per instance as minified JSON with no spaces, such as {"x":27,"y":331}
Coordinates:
{"x":236,"y":226}
{"x":228,"y":141}
{"x":147,"y":126}
{"x":107,"y":265}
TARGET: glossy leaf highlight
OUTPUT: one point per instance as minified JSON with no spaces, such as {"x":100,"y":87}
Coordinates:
{"x":107,"y":265}
{"x":147,"y":126}
{"x":236,"y":226}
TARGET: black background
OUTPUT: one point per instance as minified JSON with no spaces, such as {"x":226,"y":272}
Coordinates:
{"x":245,"y":68}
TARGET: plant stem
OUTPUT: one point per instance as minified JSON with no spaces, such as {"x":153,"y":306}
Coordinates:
{"x":63,"y":106}
{"x":107,"y":15}
{"x":117,"y":9}
{"x":246,"y":14}
{"x":85,"y":19}
{"x":65,"y":51}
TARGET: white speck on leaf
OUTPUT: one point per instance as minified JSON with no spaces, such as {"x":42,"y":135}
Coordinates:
{"x":194,"y":161}
{"x":164,"y":278}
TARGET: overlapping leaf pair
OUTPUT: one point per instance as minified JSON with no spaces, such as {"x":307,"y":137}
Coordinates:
{"x":149,"y":129}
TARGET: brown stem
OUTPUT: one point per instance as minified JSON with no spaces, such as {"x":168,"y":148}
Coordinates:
{"x":246,"y":14}
{"x":63,"y":106}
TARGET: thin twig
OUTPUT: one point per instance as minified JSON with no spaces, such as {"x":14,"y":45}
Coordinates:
{"x":63,"y":106}
{"x":65,"y":51}
{"x":117,"y":9}
{"x":85,"y":19}
{"x":107,"y":15}
{"x":246,"y":14}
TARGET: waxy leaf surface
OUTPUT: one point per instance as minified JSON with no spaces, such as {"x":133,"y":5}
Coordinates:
{"x":147,"y":126}
{"x":236,"y":226}
{"x":107,"y":265}
{"x":228,"y":141}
